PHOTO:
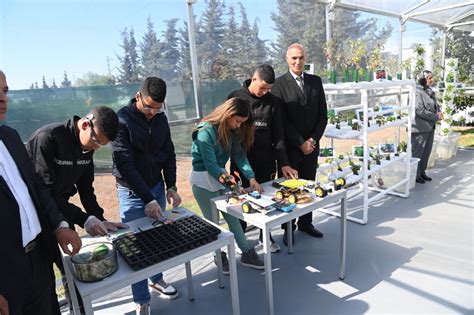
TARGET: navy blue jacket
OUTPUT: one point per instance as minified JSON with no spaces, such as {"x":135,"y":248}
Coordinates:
{"x":143,"y":152}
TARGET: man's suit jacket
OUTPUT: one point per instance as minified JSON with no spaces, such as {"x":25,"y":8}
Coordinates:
{"x":11,"y":244}
{"x":305,"y":115}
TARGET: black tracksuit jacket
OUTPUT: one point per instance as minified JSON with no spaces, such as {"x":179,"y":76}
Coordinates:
{"x":66,"y":169}
{"x":269,"y":141}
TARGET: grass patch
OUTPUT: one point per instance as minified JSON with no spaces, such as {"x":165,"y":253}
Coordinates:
{"x":466,"y":140}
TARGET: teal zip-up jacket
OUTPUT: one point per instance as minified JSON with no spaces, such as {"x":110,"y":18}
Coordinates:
{"x":209,"y":155}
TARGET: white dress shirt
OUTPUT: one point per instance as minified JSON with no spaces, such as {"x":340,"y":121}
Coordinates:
{"x":30,"y":225}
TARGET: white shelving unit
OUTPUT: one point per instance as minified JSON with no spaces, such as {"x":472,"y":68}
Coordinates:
{"x":363,"y":93}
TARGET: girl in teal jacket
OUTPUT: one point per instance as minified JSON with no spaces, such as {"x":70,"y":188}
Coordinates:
{"x":219,"y":136}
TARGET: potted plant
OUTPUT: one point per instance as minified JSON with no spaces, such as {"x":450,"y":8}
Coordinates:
{"x":375,"y":61}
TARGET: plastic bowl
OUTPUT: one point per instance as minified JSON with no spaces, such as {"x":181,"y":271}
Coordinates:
{"x":95,"y":262}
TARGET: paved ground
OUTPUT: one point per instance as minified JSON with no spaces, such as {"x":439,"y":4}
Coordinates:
{"x":415,"y":256}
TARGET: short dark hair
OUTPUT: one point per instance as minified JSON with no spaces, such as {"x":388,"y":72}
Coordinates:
{"x":106,"y":120}
{"x":155,"y":88}
{"x":266,"y":73}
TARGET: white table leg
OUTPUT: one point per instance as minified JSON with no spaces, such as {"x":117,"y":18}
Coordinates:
{"x":87,"y":306}
{"x":215,"y":219}
{"x":234,"y":286}
{"x":189,"y":277}
{"x":342,"y":262}
{"x":267,"y":258}
{"x":71,"y":287}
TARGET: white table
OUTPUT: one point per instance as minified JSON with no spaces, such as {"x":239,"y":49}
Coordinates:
{"x":275,"y":218}
{"x":125,"y":275}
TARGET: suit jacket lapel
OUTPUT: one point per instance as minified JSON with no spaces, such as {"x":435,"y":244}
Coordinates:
{"x":295,"y":87}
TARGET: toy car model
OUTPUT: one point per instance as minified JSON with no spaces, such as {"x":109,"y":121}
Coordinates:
{"x":293,"y":195}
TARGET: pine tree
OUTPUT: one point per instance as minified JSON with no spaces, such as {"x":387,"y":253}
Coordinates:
{"x":65,"y":83}
{"x":170,"y":54}
{"x":44,"y":85}
{"x":231,"y":46}
{"x":302,"y":23}
{"x":150,"y":52}
{"x":53,"y":85}
{"x":184,"y":65}
{"x":129,"y":68}
{"x":32,"y":86}
{"x":305,"y":23}
{"x":209,"y":42}
{"x":36,"y":85}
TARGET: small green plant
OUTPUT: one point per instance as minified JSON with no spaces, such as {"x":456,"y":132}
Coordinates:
{"x":354,"y":167}
{"x":403,"y":146}
{"x":379,"y":120}
{"x":355,"y":125}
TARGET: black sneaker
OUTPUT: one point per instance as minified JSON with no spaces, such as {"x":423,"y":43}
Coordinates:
{"x":225,"y":263}
{"x":252,"y":259}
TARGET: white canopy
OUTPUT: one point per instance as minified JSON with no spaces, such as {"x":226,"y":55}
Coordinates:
{"x":448,"y":14}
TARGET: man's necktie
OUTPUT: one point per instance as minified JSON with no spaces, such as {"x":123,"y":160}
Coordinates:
{"x":299,"y":80}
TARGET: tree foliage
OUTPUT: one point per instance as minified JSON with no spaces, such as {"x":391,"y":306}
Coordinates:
{"x":95,"y":79}
{"x":169,"y":57}
{"x":150,"y":52}
{"x":460,"y":45}
{"x":129,"y":62}
{"x":65,"y":83}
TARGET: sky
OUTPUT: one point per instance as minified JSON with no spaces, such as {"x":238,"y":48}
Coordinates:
{"x":48,"y":37}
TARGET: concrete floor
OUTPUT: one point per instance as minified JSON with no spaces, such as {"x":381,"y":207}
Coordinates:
{"x":415,"y":256}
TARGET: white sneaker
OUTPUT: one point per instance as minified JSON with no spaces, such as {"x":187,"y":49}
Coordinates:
{"x":143,"y":309}
{"x":274,"y":247}
{"x":166,"y":291}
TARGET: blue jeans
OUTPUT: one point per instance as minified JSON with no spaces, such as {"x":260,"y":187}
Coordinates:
{"x":132,"y":207}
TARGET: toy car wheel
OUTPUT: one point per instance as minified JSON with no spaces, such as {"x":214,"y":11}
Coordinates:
{"x":292,"y":198}
{"x":279,"y":195}
{"x":247,"y":207}
{"x":341,"y":182}
{"x":320,"y":192}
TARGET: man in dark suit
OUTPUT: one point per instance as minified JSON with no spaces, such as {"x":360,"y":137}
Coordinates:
{"x":305,"y":118}
{"x":30,"y":227}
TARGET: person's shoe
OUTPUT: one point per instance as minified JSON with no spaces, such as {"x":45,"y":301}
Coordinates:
{"x":420,"y":180}
{"x":252,"y":259}
{"x":166,"y":291}
{"x":143,"y":309}
{"x":311,"y":230}
{"x":274,"y":247}
{"x":426,"y":177}
{"x":225,"y":263}
{"x":285,"y":237}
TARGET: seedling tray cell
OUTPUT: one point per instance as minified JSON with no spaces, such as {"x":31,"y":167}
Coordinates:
{"x":146,"y":248}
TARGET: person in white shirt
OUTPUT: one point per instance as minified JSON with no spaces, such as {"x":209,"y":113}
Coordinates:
{"x":30,"y":227}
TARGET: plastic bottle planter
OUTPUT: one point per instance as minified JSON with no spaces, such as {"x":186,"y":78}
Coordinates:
{"x":149,"y":247}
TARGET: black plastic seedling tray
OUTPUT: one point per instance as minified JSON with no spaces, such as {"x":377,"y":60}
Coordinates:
{"x":146,"y":248}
